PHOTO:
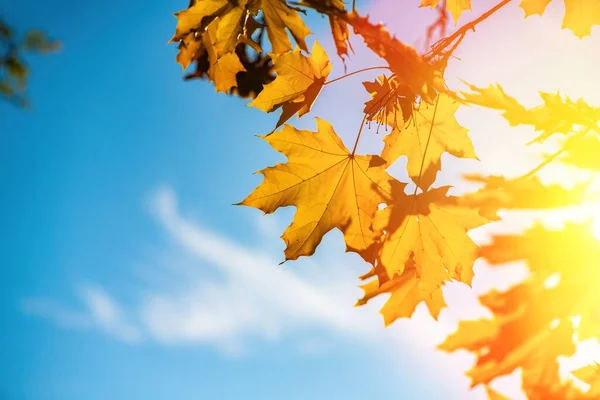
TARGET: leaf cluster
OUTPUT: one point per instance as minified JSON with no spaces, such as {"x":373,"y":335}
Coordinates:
{"x":416,"y":241}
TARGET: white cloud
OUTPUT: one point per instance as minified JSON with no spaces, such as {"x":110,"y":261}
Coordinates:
{"x":235,"y":296}
{"x":108,"y":315}
{"x":100,"y":312}
{"x":255,"y":296}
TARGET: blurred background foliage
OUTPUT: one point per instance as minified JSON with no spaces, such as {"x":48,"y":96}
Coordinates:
{"x":14,"y":70}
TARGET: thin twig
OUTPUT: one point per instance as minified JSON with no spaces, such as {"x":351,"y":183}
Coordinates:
{"x":441,"y":44}
{"x":437,"y":101}
{"x":556,"y":154}
{"x":354,"y":73}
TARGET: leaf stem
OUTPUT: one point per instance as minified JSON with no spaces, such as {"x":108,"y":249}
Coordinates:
{"x":362,"y":124}
{"x":556,"y":154}
{"x":354,"y":73}
{"x":437,"y":101}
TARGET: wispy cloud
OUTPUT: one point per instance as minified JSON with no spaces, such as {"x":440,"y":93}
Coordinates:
{"x":254,"y":297}
{"x":235,"y":295}
{"x":99,"y":311}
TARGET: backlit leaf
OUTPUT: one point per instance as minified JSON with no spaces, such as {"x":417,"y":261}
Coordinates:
{"x":330,"y":187}
{"x":432,"y":230}
{"x":456,"y":7}
{"x":298,"y":83}
{"x":432,"y":131}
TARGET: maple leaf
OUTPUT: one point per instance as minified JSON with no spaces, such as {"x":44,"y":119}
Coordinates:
{"x":519,"y":194}
{"x":580,"y":15}
{"x":278,"y":17}
{"x":298,"y":83}
{"x":198,"y":16}
{"x":494,"y":395}
{"x":432,"y":230}
{"x":582,"y":152}
{"x":411,"y":70}
{"x":405,"y":294}
{"x":531,"y":324}
{"x":456,"y":7}
{"x":520,"y":335}
{"x":432,"y":131}
{"x":555,"y":115}
{"x":257,"y":68}
{"x":494,"y":97}
{"x":387,"y":106}
{"x":330,"y":187}
{"x":590,"y":374}
{"x":223,"y":68}
{"x":339,"y":28}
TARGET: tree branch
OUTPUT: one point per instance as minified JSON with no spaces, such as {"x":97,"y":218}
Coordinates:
{"x":460,"y":33}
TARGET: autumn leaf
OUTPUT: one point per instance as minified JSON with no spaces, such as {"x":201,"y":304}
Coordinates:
{"x":580,"y":15}
{"x":405,"y":294}
{"x":432,"y":131}
{"x":299,"y":81}
{"x":526,"y":193}
{"x":519,"y":335}
{"x":339,"y":28}
{"x":412,"y":71}
{"x":582,"y":152}
{"x":456,"y":7}
{"x":223,"y":68}
{"x":198,"y":16}
{"x":278,"y":16}
{"x":531,"y":324}
{"x":432,"y":230}
{"x":555,"y":115}
{"x":387,"y":106}
{"x":494,"y":97}
{"x":256,"y":68}
{"x":494,"y":395}
{"x":590,"y":374}
{"x":330,"y":187}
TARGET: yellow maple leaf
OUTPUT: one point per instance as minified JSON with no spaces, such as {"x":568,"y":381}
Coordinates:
{"x":339,"y":28}
{"x":582,"y":152}
{"x":590,"y":374}
{"x":278,"y":17}
{"x":494,"y":394}
{"x":223,"y":68}
{"x":456,"y":7}
{"x":330,"y":187}
{"x":580,"y":15}
{"x":198,"y":16}
{"x":432,"y":131}
{"x":533,"y":7}
{"x":298,"y":83}
{"x":431,"y":229}
{"x":526,"y":193}
{"x":190,"y":48}
{"x":405,"y":295}
{"x":555,"y":115}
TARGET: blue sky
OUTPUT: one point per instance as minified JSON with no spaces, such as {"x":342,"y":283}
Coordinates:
{"x":126,"y":272}
{"x":99,"y":285}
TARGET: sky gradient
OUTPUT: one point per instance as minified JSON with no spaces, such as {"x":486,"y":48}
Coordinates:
{"x":127,"y":273}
